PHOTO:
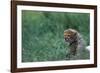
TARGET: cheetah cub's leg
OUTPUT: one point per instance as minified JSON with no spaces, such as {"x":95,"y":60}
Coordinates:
{"x":73,"y":51}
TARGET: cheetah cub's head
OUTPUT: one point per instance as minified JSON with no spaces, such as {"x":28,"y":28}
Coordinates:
{"x":70,"y":35}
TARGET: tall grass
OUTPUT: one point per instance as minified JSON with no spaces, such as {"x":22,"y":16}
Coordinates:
{"x":42,"y":34}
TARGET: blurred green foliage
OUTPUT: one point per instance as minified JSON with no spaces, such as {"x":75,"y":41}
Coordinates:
{"x":42,"y":34}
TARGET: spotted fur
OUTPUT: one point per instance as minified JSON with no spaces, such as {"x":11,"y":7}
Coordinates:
{"x":75,"y":41}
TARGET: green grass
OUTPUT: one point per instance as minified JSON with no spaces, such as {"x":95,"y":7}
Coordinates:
{"x":42,"y":34}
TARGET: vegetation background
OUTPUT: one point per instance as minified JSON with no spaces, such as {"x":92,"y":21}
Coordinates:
{"x":42,"y":34}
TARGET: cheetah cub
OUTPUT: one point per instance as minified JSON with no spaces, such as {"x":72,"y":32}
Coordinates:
{"x":75,"y":42}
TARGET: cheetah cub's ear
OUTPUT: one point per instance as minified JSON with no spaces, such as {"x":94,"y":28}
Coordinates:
{"x":72,"y":30}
